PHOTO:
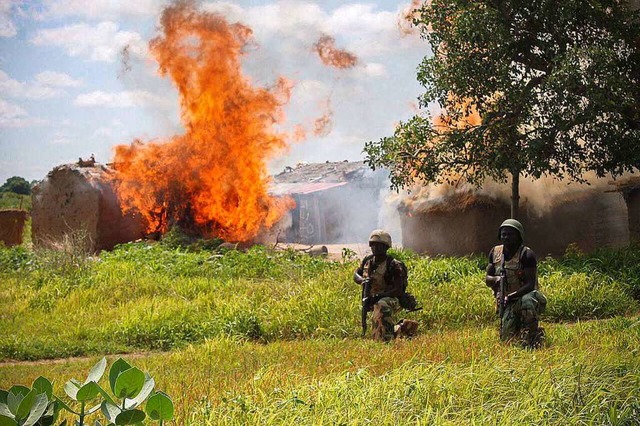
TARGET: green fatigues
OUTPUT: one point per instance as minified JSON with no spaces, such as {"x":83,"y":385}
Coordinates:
{"x":523,"y":314}
{"x":385,"y":309}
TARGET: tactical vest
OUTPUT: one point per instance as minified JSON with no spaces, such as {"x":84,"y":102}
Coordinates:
{"x":377,"y":275}
{"x":513,"y":268}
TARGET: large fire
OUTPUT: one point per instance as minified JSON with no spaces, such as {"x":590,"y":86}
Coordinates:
{"x":212,"y":179}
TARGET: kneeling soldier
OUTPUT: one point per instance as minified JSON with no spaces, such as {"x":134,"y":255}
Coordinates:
{"x":512,"y":274}
{"x":383,"y":279}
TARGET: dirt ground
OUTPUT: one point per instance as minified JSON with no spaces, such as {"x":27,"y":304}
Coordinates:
{"x":334,"y":250}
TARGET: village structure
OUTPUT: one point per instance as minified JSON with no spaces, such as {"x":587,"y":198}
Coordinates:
{"x":340,"y":202}
{"x":336,"y":202}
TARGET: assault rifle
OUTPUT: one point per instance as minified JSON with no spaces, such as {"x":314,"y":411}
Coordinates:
{"x":367,"y":303}
{"x":502,"y":304}
{"x":366,"y":306}
{"x":501,"y":293}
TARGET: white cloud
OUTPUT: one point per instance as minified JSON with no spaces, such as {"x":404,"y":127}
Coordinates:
{"x":60,"y":138}
{"x":99,"y":9}
{"x":32,"y":90}
{"x":57,"y":79}
{"x":7,"y":26}
{"x":361,"y":29}
{"x":374,"y":69}
{"x":309,"y":91}
{"x":102,"y":42}
{"x":124,"y":99}
{"x":114,"y":129}
{"x":12,"y":115}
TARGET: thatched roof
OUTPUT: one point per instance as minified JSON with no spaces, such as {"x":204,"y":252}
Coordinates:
{"x":450,"y":203}
{"x":341,"y":171}
{"x":627,"y":184}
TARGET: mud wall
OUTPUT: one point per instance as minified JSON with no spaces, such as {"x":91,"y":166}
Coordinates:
{"x":632,"y":198}
{"x":453,"y":233}
{"x":12,"y":226}
{"x":80,"y":201}
{"x":594,"y":219}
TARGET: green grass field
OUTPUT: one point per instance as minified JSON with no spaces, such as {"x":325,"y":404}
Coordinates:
{"x":268,"y":337}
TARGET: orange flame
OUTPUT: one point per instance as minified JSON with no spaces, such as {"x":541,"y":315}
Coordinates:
{"x":323,"y":125}
{"x":443,"y":122}
{"x":213,"y":179}
{"x":332,"y":56}
{"x":405,"y":19}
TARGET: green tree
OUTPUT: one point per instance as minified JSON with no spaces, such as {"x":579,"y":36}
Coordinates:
{"x":17,"y":185}
{"x":555,"y":86}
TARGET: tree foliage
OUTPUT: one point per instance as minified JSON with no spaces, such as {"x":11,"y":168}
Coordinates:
{"x":16,"y":184}
{"x":554,"y":86}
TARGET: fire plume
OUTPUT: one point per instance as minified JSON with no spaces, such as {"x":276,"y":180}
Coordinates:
{"x":332,"y":56}
{"x":407,"y":14}
{"x":323,"y":125}
{"x":213,"y":178}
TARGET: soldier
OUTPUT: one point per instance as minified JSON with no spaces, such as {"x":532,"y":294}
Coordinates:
{"x":512,"y":274}
{"x":386,"y":280}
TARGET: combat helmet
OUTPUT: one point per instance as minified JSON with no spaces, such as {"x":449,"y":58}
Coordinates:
{"x":380,"y":236}
{"x":512,"y":223}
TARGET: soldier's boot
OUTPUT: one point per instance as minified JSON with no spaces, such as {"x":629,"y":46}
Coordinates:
{"x":539,"y":339}
{"x":532,"y":336}
{"x":406,"y":328}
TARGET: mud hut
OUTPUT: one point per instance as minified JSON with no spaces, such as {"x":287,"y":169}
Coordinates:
{"x":336,"y":202}
{"x":78,"y":200}
{"x":630,"y":190}
{"x":465,"y":223}
{"x":12,"y":226}
{"x":454,"y":225}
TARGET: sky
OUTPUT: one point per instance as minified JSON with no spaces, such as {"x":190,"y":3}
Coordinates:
{"x":69,"y":90}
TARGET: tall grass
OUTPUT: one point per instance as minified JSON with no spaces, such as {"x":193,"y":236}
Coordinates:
{"x":589,"y":373}
{"x":11,"y":200}
{"x":150,"y":297}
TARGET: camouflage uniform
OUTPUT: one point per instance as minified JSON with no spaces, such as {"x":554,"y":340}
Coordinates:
{"x":523,"y":313}
{"x":386,"y":278}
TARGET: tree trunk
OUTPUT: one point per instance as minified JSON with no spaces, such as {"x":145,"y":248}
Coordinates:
{"x":515,"y":193}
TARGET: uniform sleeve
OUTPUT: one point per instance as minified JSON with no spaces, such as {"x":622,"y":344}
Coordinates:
{"x":399,"y":277}
{"x":491,"y":255}
{"x":529,"y":259}
{"x":360,"y":270}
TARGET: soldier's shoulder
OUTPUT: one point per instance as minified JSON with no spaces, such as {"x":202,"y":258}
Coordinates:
{"x":398,"y":265}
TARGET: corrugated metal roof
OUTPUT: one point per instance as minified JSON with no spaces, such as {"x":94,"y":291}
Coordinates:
{"x":302,"y":187}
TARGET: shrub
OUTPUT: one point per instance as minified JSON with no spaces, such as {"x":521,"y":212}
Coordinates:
{"x":130,"y":387}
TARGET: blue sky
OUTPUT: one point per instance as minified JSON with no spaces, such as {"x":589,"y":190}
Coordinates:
{"x":66,"y":93}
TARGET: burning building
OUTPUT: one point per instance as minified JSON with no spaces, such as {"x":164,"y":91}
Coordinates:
{"x":465,"y":222}
{"x":79,"y":200}
{"x":334,"y":201}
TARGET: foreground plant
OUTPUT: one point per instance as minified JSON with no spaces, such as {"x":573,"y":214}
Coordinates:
{"x":27,"y":407}
{"x":131,"y":387}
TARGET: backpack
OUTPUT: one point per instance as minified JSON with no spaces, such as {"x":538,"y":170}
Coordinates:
{"x":407,"y":300}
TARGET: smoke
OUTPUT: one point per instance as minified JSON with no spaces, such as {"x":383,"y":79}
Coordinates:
{"x":537,"y":196}
{"x":323,"y":125}
{"x":388,"y":217}
{"x":332,"y":56}
{"x":406,"y":16}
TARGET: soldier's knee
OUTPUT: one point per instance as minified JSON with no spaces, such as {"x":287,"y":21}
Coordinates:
{"x":529,"y":316}
{"x":383,"y":308}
